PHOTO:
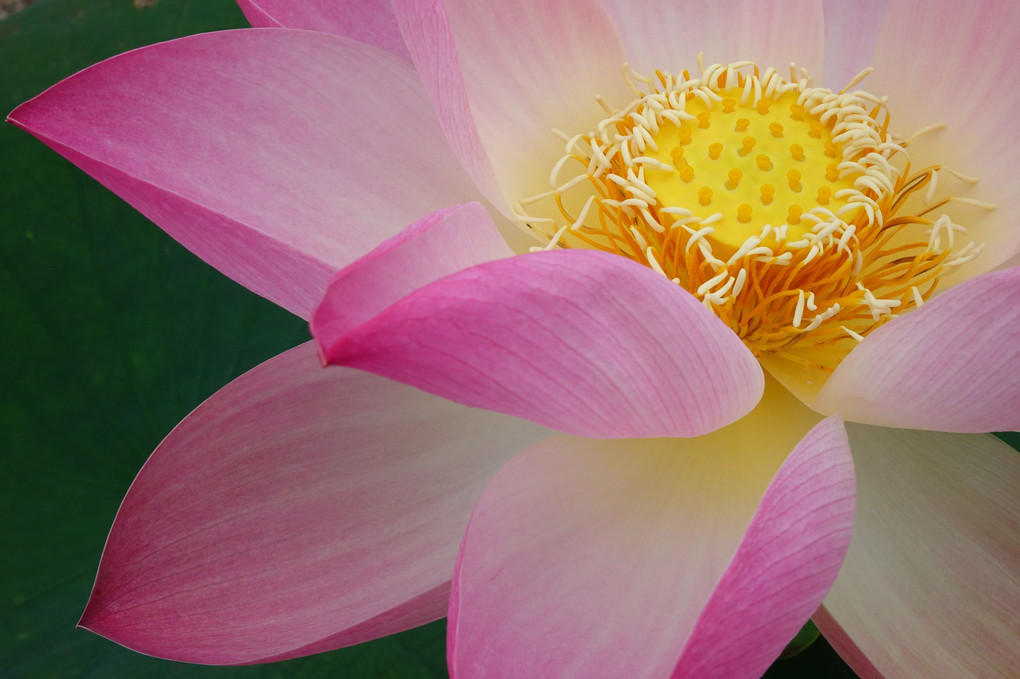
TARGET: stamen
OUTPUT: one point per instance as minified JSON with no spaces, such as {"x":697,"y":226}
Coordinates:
{"x":927,"y":129}
{"x":798,"y":314}
{"x":602,"y":102}
{"x":918,"y":300}
{"x":864,"y":73}
{"x":857,"y":337}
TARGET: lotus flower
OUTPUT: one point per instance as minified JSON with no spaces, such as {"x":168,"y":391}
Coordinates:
{"x":576,"y":453}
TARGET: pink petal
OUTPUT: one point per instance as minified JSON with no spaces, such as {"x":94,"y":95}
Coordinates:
{"x":518,"y":70}
{"x":785,"y":565}
{"x":368,"y":21}
{"x":277,"y":156}
{"x":443,"y":243}
{"x":668,"y":34}
{"x":851,"y":32}
{"x":427,"y":34}
{"x":956,"y":63}
{"x":951,"y":365}
{"x":931,"y":584}
{"x":582,"y":341}
{"x":599,"y":558}
{"x":296,"y":511}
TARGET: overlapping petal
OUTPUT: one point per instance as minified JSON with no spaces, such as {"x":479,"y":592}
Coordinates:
{"x":442,"y":243}
{"x":667,"y":35}
{"x":957,"y":65}
{"x":785,"y":565}
{"x":368,"y":21}
{"x":581,"y":341}
{"x":296,"y":511}
{"x":426,"y":30}
{"x":271,"y":154}
{"x":597,"y":558}
{"x":931,"y":584}
{"x":517,"y":70}
{"x":948,"y":366}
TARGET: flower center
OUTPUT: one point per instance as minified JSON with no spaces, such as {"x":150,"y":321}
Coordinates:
{"x":745,"y":165}
{"x":791,"y":211}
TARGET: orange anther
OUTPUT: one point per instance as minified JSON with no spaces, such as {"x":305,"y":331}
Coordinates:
{"x":830,"y":149}
{"x":684,"y":136}
{"x":824,"y":194}
{"x":742,"y":124}
{"x":763,"y":105}
{"x":687,"y":174}
{"x":816,"y":129}
{"x":733,"y":178}
{"x":714,"y":150}
{"x":705,"y":195}
{"x":743,"y":213}
{"x":767,"y":191}
{"x":797,"y":151}
{"x":797,"y":112}
{"x":703,"y":119}
{"x":776,"y":129}
{"x":832,"y":172}
{"x":793,"y":214}
{"x":764,"y":162}
{"x":728,"y":105}
{"x":793,"y":177}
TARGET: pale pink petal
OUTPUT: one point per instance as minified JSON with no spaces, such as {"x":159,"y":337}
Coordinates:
{"x":277,"y":156}
{"x":443,"y":243}
{"x":369,"y":21}
{"x":851,"y":32}
{"x":427,"y":33}
{"x":668,"y":34}
{"x":296,"y":511}
{"x":785,"y":565}
{"x":956,"y":63}
{"x":951,"y":365}
{"x":518,"y":70}
{"x":581,"y":341}
{"x":931,"y":584}
{"x":596,"y":558}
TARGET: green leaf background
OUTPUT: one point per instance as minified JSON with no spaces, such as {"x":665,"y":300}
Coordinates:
{"x":110,"y":334}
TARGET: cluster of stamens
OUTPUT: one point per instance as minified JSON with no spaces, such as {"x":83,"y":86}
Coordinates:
{"x":791,"y":211}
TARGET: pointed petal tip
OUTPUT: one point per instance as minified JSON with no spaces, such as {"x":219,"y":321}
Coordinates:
{"x":261,"y":202}
{"x":96,"y":620}
{"x":296,"y":511}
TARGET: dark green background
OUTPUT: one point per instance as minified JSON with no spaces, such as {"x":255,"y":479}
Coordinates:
{"x":110,"y":334}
